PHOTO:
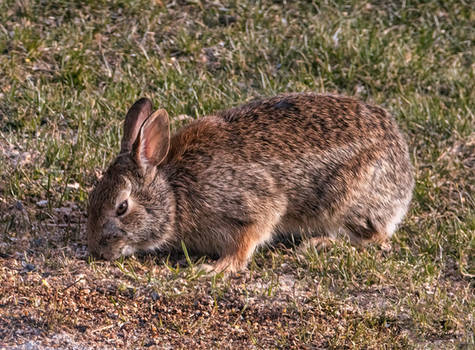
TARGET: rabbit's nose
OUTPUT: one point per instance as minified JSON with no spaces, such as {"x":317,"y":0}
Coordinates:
{"x":109,"y":231}
{"x":108,"y":226}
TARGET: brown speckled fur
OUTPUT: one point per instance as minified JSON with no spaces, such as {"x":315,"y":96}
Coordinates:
{"x":319,"y":164}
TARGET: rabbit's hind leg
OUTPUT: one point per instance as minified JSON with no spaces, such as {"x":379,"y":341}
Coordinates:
{"x":363,"y":230}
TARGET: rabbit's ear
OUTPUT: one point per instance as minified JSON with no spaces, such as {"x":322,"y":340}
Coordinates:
{"x":134,"y":119}
{"x":153,"y":141}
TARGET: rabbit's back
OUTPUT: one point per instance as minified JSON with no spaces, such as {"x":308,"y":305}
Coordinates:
{"x":332,"y":163}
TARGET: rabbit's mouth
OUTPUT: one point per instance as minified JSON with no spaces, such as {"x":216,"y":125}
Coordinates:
{"x":113,"y":251}
{"x":116,"y":252}
{"x":110,"y":254}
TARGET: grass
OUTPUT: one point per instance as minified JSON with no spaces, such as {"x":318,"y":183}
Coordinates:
{"x":69,"y":71}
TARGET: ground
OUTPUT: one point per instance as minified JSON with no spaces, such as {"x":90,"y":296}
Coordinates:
{"x":69,"y":71}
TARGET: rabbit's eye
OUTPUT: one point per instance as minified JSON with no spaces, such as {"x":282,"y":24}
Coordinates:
{"x":122,"y":208}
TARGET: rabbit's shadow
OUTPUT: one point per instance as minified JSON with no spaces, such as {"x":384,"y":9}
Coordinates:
{"x":177,"y":257}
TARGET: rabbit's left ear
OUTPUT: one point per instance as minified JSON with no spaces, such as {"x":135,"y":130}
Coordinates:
{"x":134,"y":119}
{"x":153,"y":141}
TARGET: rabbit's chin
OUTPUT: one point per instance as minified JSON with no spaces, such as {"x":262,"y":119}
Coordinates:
{"x":127,"y":250}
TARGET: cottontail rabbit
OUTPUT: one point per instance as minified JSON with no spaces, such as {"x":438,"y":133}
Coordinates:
{"x":224,"y":184}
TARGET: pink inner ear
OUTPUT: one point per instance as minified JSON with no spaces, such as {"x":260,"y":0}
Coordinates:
{"x":154,"y":141}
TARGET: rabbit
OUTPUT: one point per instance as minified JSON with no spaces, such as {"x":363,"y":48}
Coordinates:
{"x":320,"y":164}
